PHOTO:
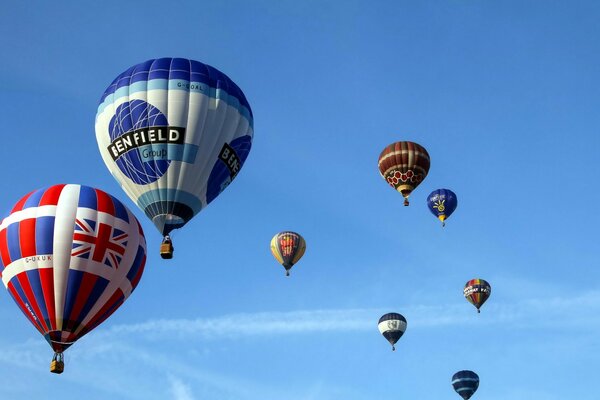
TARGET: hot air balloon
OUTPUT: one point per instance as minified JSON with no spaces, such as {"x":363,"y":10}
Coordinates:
{"x":442,"y":203}
{"x":288,"y":247}
{"x":71,"y":255}
{"x":404,"y":165}
{"x":465,"y":383}
{"x":174,"y":133}
{"x":477,"y":291}
{"x":392,"y":327}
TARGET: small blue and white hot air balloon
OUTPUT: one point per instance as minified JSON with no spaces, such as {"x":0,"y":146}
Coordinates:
{"x":465,"y":383}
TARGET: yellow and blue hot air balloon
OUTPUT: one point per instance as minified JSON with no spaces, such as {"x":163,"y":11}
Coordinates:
{"x":174,"y":133}
{"x":442,"y":203}
{"x":287,"y":248}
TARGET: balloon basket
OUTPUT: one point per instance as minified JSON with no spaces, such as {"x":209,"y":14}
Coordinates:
{"x":57,"y":365}
{"x":166,"y":250}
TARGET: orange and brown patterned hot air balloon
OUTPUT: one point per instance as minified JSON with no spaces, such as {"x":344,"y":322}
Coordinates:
{"x":404,"y":165}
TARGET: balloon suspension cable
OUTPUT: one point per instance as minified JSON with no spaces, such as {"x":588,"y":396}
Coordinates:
{"x":393,"y":348}
{"x":443,"y":224}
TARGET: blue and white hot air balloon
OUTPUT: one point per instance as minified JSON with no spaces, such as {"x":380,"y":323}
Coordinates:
{"x":392,"y":326}
{"x":465,"y":383}
{"x":174,"y":133}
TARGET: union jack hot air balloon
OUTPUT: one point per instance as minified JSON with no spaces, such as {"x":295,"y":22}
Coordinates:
{"x":71,"y":255}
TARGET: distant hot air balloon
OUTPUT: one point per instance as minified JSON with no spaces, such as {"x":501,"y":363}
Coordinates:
{"x":174,"y":133}
{"x":442,"y":203}
{"x":465,"y":383}
{"x":71,"y":255}
{"x":477,"y":291}
{"x":392,"y":327}
{"x":404,"y":165}
{"x":288,"y":247}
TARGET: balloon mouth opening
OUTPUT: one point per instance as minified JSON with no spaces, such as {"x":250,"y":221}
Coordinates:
{"x":405,"y":191}
{"x":168,"y":222}
{"x":57,"y":345}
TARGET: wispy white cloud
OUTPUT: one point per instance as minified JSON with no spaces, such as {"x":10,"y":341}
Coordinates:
{"x":530,"y":312}
{"x":134,"y":364}
{"x":253,"y":324}
{"x":180,"y":390}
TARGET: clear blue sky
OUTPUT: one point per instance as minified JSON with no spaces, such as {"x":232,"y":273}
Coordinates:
{"x":503,"y":94}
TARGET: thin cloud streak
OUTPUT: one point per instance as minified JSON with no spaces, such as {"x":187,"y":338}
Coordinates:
{"x":119,"y":350}
{"x":532,"y":312}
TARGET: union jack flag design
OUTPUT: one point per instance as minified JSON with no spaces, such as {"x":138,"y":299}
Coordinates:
{"x":99,"y":242}
{"x":70,"y":255}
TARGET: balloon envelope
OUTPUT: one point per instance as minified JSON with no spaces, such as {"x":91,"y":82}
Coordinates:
{"x":477,"y":291}
{"x":442,"y":203}
{"x":465,"y":383}
{"x":174,"y":133}
{"x":71,"y":255}
{"x":404,"y":165}
{"x":287,"y":248}
{"x":392,"y":326}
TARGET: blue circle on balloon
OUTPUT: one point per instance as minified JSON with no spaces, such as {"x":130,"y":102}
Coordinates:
{"x":130,"y":116}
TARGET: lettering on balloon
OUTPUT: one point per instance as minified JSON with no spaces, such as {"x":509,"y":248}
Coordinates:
{"x":145,"y":136}
{"x":154,"y":154}
{"x":231,"y":160}
{"x":30,"y":311}
{"x":192,"y":86}
{"x":38,"y":258}
{"x":475,"y":289}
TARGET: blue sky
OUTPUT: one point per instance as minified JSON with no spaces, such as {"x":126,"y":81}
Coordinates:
{"x":503,"y":94}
